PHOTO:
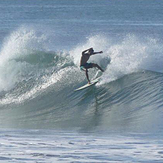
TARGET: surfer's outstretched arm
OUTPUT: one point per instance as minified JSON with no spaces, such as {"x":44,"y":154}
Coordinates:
{"x":97,"y":52}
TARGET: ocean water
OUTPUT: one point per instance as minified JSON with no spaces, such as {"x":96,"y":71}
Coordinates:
{"x":42,"y":118}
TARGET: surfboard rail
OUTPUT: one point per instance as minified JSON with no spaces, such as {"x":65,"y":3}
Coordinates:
{"x":93,"y":82}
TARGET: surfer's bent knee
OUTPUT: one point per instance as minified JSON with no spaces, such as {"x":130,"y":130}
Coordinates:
{"x":94,"y":65}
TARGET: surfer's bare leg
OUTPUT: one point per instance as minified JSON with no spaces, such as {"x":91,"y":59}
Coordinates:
{"x":96,"y":65}
{"x":86,"y":72}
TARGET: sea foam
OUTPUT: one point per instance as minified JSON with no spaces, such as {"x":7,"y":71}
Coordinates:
{"x":128,"y":55}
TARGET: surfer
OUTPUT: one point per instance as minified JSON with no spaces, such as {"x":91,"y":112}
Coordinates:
{"x":83,"y":62}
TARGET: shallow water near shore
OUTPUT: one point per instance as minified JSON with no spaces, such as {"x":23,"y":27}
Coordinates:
{"x":57,"y":146}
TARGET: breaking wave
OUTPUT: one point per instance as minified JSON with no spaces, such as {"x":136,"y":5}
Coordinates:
{"x":37,"y":84}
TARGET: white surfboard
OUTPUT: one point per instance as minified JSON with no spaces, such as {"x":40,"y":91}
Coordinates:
{"x":93,"y":82}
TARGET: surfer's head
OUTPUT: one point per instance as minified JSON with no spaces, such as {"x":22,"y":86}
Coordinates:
{"x":91,"y":51}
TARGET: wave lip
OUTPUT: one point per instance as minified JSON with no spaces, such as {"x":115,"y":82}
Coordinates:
{"x":27,"y":66}
{"x":19,"y":43}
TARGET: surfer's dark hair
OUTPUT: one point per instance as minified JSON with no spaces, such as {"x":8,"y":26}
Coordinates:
{"x":91,"y":50}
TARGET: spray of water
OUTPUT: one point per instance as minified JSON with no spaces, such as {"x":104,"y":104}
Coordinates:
{"x":124,"y":57}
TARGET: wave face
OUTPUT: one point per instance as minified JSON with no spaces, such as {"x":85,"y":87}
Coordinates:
{"x":37,"y":84}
